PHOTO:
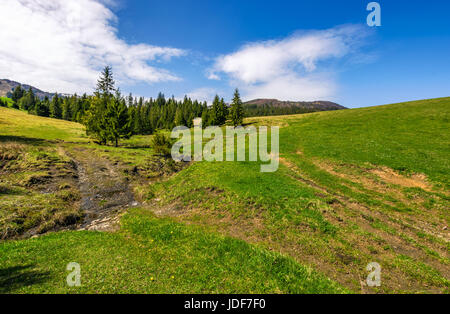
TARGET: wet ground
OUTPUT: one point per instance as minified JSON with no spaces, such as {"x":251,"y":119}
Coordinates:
{"x":105,"y":192}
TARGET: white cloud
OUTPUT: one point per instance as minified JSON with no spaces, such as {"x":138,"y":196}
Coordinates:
{"x":293,"y":87}
{"x":213,"y":76}
{"x":60,"y":45}
{"x":289,"y":69}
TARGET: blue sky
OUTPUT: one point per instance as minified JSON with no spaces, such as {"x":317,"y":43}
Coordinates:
{"x":409,"y":53}
{"x":296,"y":50}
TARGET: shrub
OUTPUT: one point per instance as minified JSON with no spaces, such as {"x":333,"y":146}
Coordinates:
{"x":161,"y":144}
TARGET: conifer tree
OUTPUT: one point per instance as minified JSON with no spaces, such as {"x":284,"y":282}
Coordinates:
{"x":66,"y":110}
{"x":42,"y":108}
{"x":55,"y":107}
{"x":95,"y":118}
{"x":137,"y":122}
{"x":28,"y":101}
{"x":17,"y":94}
{"x":116,"y":119}
{"x":105,"y":84}
{"x":179,"y":119}
{"x":75,"y":107}
{"x":223,"y":112}
{"x":236,"y":110}
{"x":215,"y":111}
{"x":206,"y":118}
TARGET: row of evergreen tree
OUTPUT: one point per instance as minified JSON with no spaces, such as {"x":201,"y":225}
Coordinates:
{"x":269,"y":110}
{"x":109,"y":116}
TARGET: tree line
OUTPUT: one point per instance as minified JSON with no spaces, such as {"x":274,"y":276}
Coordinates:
{"x":270,"y":110}
{"x":110,"y":116}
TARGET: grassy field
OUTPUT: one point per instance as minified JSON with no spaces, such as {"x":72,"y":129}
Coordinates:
{"x":152,"y":255}
{"x":354,"y":187}
{"x":409,"y":138}
{"x":17,"y":123}
{"x":147,"y":254}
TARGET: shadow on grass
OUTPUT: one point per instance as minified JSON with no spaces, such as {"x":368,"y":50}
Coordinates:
{"x":4,"y":190}
{"x":22,"y":139}
{"x":16,"y":277}
{"x":128,"y":146}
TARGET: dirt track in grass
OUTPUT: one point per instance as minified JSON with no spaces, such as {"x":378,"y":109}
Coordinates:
{"x":105,"y":192}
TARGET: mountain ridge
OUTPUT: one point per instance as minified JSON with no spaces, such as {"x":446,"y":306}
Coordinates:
{"x":318,"y":104}
{"x":7,"y":86}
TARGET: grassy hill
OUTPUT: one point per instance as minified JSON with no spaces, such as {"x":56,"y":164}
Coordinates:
{"x":354,"y":187}
{"x":17,"y":123}
{"x":8,"y":86}
{"x":272,"y":107}
{"x":147,"y":254}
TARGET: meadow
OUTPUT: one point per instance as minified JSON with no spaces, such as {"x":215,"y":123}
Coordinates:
{"x":354,"y":187}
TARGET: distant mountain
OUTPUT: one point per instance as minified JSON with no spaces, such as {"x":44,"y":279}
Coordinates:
{"x":318,"y":105}
{"x":7,"y":87}
{"x":271,"y":107}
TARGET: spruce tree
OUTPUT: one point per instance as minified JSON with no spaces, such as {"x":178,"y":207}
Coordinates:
{"x":206,"y":118}
{"x":215,"y":111}
{"x":95,"y":118}
{"x":137,"y":123}
{"x":28,"y":101}
{"x":55,"y":107}
{"x":236,"y":110}
{"x":66,"y":110}
{"x":117,"y":120}
{"x":179,"y":119}
{"x":43,"y":108}
{"x":17,"y":94}
{"x":75,"y":107}
{"x":223,"y":112}
{"x":94,"y":121}
{"x":105,"y":84}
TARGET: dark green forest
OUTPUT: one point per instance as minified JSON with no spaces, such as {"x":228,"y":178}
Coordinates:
{"x":269,"y":110}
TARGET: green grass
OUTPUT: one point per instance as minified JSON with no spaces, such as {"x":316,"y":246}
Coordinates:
{"x":151,"y":255}
{"x":8,"y":101}
{"x":284,"y":210}
{"x":420,"y":271}
{"x":409,"y":137}
{"x":335,"y":219}
{"x":16,"y":124}
{"x":26,"y":170}
{"x":29,"y":155}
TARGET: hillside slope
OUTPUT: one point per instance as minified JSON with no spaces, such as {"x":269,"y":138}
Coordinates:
{"x":7,"y":87}
{"x":315,"y":105}
{"x":44,"y":166}
{"x":272,"y":107}
{"x":354,"y":187}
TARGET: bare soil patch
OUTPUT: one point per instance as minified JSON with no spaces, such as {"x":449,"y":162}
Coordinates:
{"x":390,"y":176}
{"x":105,"y":192}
